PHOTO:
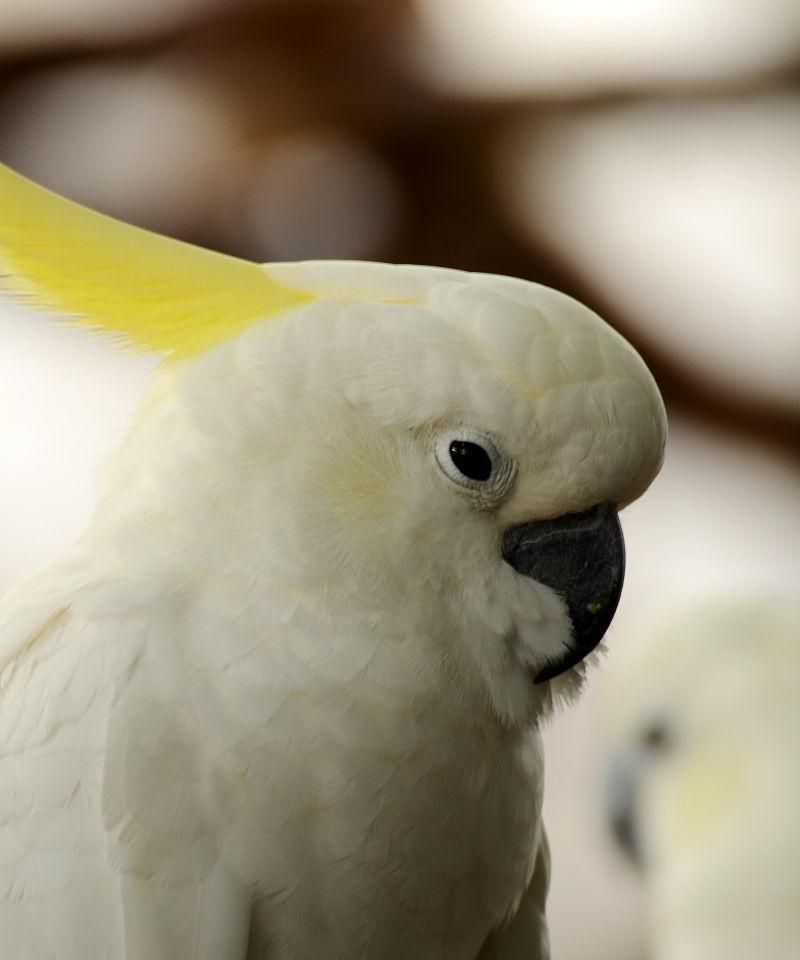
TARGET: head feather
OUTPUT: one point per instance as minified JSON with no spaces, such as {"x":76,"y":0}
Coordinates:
{"x":152,"y":291}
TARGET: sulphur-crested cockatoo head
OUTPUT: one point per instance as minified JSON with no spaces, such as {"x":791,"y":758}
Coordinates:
{"x":445,"y":451}
{"x":702,"y":716}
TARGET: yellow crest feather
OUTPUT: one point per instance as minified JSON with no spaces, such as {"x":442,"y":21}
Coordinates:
{"x":156,"y":292}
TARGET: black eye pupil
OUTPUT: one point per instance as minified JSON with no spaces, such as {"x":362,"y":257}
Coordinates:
{"x":471,"y":459}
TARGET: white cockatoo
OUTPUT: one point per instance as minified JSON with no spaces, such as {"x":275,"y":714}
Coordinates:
{"x":281,"y":700}
{"x":704,"y":720}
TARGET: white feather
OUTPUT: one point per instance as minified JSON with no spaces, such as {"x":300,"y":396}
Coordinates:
{"x":278,"y":702}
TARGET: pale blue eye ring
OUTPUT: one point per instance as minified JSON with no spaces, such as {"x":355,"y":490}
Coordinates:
{"x":474,"y":461}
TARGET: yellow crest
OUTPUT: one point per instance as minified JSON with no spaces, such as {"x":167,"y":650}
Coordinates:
{"x":155,"y":292}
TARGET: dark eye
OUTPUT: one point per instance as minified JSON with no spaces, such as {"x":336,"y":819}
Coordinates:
{"x":471,"y":459}
{"x":656,"y":738}
{"x":475,"y":463}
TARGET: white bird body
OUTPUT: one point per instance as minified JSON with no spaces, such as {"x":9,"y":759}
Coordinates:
{"x":278,"y":701}
{"x":160,"y":808}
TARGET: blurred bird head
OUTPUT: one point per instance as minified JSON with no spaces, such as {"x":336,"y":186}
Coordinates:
{"x":699,"y":716}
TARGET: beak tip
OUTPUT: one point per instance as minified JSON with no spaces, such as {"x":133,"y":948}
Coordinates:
{"x":582,"y":558}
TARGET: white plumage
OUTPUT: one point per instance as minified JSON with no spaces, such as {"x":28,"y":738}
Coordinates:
{"x":277,"y":703}
{"x":705,"y":717}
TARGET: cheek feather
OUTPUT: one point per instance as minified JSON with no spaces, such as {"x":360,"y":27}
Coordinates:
{"x":360,"y":486}
{"x":701,"y":795}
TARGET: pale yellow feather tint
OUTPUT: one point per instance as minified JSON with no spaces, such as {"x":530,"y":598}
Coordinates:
{"x":152,"y":291}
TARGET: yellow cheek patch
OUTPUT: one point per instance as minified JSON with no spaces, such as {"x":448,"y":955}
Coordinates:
{"x":360,"y":486}
{"x":706,"y":790}
{"x":151,"y":291}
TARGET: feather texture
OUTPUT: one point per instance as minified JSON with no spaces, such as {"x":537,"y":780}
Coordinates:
{"x":152,"y":291}
{"x":277,"y":703}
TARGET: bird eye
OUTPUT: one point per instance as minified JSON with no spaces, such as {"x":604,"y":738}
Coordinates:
{"x":656,"y":737}
{"x":471,"y":459}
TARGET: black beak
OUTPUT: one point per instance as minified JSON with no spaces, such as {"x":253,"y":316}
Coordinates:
{"x":621,"y":798}
{"x":582,"y":557}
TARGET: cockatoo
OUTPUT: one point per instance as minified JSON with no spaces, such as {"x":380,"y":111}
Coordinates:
{"x":282,"y":699}
{"x":705,"y":789}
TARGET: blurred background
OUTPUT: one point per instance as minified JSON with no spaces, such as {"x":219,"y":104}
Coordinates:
{"x":642,"y":155}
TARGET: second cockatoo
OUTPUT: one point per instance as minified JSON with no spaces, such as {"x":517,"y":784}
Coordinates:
{"x":282,"y":699}
{"x":705,"y":788}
